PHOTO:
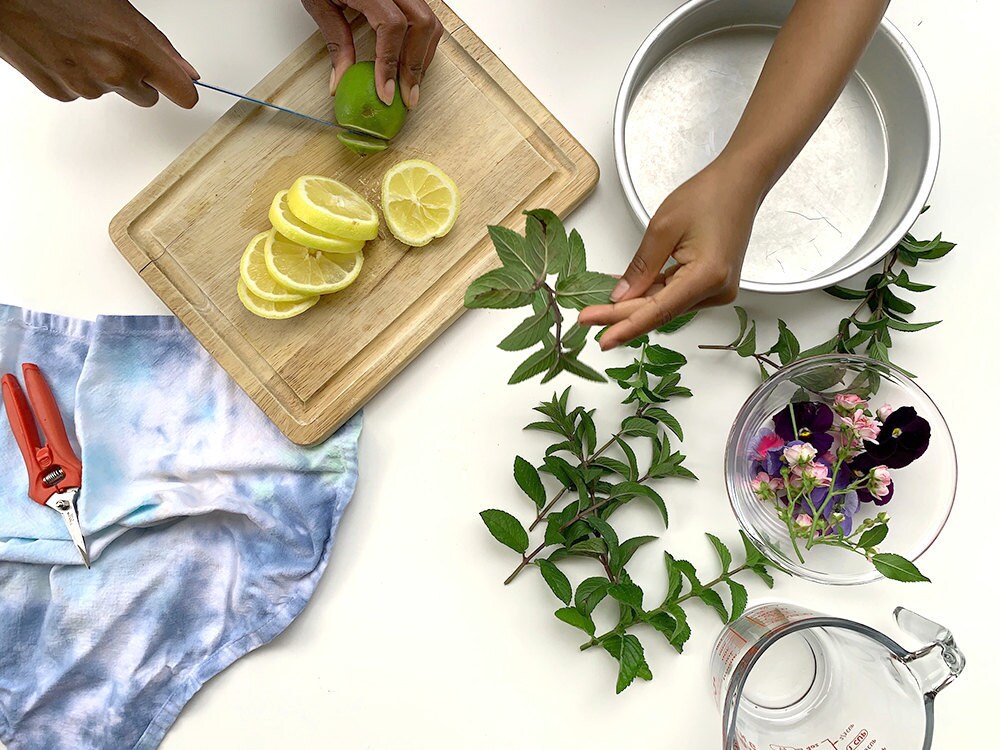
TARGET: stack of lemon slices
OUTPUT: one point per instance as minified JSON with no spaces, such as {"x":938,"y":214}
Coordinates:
{"x":318,"y":232}
{"x":315,"y":247}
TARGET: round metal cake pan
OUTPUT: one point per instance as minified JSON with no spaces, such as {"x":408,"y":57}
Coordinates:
{"x":853,"y":192}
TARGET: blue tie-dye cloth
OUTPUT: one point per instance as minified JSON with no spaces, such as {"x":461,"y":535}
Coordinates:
{"x":208,"y":529}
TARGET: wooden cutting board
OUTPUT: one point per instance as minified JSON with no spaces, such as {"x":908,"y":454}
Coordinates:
{"x":186,"y":231}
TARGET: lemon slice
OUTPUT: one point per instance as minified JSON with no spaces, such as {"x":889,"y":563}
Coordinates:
{"x":292,"y":227}
{"x":419,"y":201}
{"x":259,"y":282}
{"x":272,"y":310}
{"x":309,"y":271}
{"x":332,"y":207}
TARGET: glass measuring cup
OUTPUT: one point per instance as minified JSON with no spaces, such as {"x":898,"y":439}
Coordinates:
{"x":787,"y":678}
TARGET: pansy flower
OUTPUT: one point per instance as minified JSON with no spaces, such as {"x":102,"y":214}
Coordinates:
{"x":903,"y":439}
{"x":811,"y":424}
{"x":768,"y":440}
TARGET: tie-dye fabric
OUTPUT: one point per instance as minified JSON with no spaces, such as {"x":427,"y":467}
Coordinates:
{"x":208,"y":529}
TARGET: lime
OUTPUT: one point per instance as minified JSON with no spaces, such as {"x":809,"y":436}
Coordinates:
{"x":361,"y":144}
{"x":358,"y":107}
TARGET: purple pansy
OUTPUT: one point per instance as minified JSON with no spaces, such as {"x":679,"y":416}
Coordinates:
{"x":812,"y":424}
{"x":903,"y":439}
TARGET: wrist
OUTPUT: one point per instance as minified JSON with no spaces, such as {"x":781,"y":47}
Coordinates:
{"x":750,"y":175}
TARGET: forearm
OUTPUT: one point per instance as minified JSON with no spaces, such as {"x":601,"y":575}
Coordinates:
{"x":811,"y":61}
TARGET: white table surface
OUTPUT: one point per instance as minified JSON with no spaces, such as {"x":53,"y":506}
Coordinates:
{"x":410,"y":640}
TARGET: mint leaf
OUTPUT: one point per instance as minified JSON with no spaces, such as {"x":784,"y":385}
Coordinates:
{"x":576,"y":618}
{"x":713,"y":600}
{"x":682,"y":632}
{"x":603,"y":528}
{"x":575,"y":338}
{"x":662,"y":622}
{"x":528,"y":480}
{"x":748,"y":347}
{"x":552,"y":533}
{"x":739,"y":596}
{"x":677,"y":323}
{"x":506,"y":529}
{"x":576,"y":256}
{"x":725,"y":556}
{"x":633,"y":464}
{"x":627,"y":650}
{"x":902,"y":325}
{"x":557,"y":581}
{"x":501,"y":288}
{"x":659,"y":355}
{"x":578,"y":368}
{"x":898,"y":568}
{"x":841,"y":292}
{"x":628,"y":548}
{"x":634,"y":489}
{"x":589,"y":548}
{"x":628,"y":594}
{"x":590,"y":593}
{"x":537,"y":363}
{"x":530,"y":332}
{"x":584,"y":288}
{"x":547,"y":235}
{"x":639,"y":427}
{"x":514,"y":251}
{"x":667,"y":419}
{"x":787,"y":347}
{"x":741,"y":316}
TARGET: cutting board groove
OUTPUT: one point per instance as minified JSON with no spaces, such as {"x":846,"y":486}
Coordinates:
{"x":185,"y":232}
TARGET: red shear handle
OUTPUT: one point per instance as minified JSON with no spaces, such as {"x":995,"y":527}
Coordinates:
{"x":50,"y":419}
{"x":22,"y":424}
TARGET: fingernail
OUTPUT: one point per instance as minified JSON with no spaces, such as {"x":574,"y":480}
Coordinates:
{"x":606,"y":343}
{"x":333,"y":82}
{"x":414,"y":95}
{"x":389,"y":92}
{"x":620,"y":290}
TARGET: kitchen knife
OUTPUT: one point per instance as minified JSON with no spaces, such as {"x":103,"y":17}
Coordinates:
{"x":268,"y":104}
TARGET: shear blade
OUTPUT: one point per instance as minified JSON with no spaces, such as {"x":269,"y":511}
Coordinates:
{"x":65,"y":504}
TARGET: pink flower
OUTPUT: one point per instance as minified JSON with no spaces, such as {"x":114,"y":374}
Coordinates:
{"x":880,"y":481}
{"x":817,"y":472}
{"x":799,"y":454}
{"x":766,"y":487}
{"x":847,"y":403}
{"x":861,"y":427}
{"x":884,"y":411}
{"x":803,"y":520}
{"x":768,"y":441}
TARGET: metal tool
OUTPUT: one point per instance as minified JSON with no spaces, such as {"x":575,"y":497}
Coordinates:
{"x":268,"y":104}
{"x":54,"y":471}
{"x":788,"y":678}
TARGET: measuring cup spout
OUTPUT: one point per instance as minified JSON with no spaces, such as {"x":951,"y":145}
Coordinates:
{"x":940,"y":661}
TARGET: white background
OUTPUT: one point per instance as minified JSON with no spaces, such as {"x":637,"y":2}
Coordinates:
{"x":410,"y":640}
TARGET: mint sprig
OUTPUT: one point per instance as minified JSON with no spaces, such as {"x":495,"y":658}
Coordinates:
{"x":591,"y":478}
{"x":544,"y":269}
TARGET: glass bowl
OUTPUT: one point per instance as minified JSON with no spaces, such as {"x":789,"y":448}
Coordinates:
{"x":924,"y":491}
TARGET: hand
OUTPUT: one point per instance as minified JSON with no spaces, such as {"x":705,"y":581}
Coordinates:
{"x":704,"y":225}
{"x":70,"y":49}
{"x":406,"y":36}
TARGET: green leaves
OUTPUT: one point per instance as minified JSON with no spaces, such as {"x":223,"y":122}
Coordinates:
{"x":628,"y":652}
{"x":506,"y":529}
{"x":873,"y":536}
{"x":584,"y":288}
{"x":787,"y":346}
{"x":598,"y":475}
{"x":556,"y":580}
{"x":529,"y":261}
{"x":898,"y":568}
{"x":528,"y":480}
{"x":501,"y":288}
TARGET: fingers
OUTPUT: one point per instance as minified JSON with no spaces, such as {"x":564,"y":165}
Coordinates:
{"x":336,"y":31}
{"x":165,"y":70}
{"x":139,"y":93}
{"x":390,"y":26}
{"x":658,"y":243}
{"x":41,"y":80}
{"x":684,"y":291}
{"x":421,"y":41}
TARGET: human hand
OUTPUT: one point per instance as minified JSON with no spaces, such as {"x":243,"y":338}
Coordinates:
{"x":704,"y":225}
{"x":70,"y":49}
{"x":406,"y":36}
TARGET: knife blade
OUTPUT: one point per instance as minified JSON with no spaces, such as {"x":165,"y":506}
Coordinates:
{"x":221,"y":90}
